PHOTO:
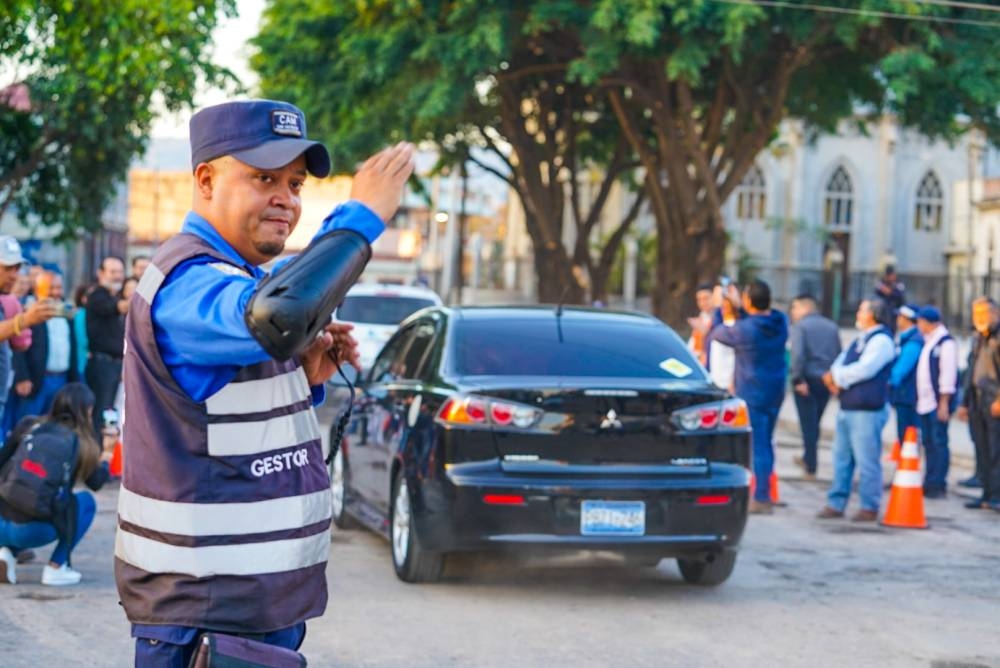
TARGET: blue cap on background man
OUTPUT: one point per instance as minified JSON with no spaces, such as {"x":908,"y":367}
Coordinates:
{"x":909,"y":311}
{"x":261,"y":133}
{"x":929,"y":313}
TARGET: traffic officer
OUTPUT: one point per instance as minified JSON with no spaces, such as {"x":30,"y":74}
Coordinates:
{"x":224,"y":510}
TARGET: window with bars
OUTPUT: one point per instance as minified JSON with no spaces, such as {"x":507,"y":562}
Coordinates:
{"x":751,"y":196}
{"x":838,"y":205}
{"x":930,"y":204}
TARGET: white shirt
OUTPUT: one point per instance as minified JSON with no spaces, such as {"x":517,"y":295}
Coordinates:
{"x":875,"y":355}
{"x":947,"y":364}
{"x":59,"y":345}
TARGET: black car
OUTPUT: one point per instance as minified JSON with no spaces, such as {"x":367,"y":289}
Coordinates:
{"x":499,"y":427}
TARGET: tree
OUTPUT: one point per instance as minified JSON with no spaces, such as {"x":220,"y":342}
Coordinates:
{"x":699,"y":87}
{"x":83,"y":80}
{"x":462,"y":75}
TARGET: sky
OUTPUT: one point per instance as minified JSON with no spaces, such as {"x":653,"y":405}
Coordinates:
{"x":231,"y":50}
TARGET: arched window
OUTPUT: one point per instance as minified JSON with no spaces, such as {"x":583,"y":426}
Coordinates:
{"x":838,"y":205}
{"x":751,"y":196}
{"x":930,"y":204}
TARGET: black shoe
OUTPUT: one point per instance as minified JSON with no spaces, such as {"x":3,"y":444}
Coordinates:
{"x":935,"y":494}
{"x":970,"y":482}
{"x":976,"y":504}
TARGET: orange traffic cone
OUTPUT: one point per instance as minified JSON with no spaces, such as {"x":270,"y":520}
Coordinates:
{"x":775,"y":497}
{"x":906,"y":500}
{"x":895,"y":456}
{"x":115,"y":466}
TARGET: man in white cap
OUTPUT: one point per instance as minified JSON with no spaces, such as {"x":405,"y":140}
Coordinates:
{"x":16,"y":326}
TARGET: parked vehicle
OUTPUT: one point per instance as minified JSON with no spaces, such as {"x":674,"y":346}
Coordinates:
{"x":376,"y":310}
{"x":489,"y":428}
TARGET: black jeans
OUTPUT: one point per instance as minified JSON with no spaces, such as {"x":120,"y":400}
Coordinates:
{"x":985,"y":431}
{"x":104,"y":372}
{"x":810,"y":411}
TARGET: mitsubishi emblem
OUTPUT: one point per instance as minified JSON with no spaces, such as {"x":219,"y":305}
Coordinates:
{"x":611,"y":421}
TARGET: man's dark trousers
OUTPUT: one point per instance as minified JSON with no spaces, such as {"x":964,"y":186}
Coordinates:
{"x":906,"y":416}
{"x":934,"y":435}
{"x":104,"y":372}
{"x":810,"y":411}
{"x":985,"y":431}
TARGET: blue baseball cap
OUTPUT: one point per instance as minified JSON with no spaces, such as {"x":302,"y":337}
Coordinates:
{"x":261,"y":133}
{"x":909,"y":311}
{"x":929,"y":313}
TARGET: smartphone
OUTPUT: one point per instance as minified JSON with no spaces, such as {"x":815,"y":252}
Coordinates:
{"x":110,"y":416}
{"x":724,"y":281}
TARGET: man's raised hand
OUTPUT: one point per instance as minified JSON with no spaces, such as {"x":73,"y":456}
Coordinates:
{"x":380,"y":181}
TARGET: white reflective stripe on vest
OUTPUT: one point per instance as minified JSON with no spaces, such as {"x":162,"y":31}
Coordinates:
{"x":232,"y":439}
{"x":224,"y":519}
{"x":260,"y":396}
{"x":276,"y":556}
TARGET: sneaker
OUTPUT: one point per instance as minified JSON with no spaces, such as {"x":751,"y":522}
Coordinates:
{"x":8,"y":566}
{"x":829,"y":513}
{"x":60,"y":577}
{"x":976,"y":504}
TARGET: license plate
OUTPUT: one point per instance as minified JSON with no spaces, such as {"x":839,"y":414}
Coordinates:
{"x":613,"y":518}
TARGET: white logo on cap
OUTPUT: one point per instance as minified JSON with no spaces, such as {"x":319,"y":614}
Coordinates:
{"x":12,"y":245}
{"x":286,"y":123}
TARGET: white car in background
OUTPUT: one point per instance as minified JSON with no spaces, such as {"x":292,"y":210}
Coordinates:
{"x":376,"y":310}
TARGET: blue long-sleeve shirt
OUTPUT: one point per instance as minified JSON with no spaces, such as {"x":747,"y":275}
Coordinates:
{"x":903,"y":378}
{"x":759,"y":341}
{"x":198,"y":312}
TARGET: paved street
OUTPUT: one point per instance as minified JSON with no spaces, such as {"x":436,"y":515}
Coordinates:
{"x":803,"y":594}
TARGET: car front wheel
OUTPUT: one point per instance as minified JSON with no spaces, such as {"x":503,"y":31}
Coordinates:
{"x":412,"y":562}
{"x":710,"y":571}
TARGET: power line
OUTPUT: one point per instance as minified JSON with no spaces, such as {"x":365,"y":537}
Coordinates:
{"x":959,"y":4}
{"x":861,"y":12}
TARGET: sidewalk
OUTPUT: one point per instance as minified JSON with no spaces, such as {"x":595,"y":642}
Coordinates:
{"x":789,"y":434}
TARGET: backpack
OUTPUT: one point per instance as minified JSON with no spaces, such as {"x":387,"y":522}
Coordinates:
{"x":37,"y":480}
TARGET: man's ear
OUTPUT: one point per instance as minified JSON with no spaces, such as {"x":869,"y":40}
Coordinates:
{"x":204,"y":179}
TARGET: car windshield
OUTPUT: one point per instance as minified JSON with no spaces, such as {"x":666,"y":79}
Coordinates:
{"x":380,"y":309}
{"x":583,"y":347}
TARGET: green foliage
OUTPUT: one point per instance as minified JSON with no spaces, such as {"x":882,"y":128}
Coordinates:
{"x":95,"y":74}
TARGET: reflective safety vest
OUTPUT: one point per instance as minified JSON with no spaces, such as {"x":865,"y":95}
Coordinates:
{"x":224,"y":510}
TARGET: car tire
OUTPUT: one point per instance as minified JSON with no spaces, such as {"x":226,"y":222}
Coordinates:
{"x":412,"y":562}
{"x":339,"y":478}
{"x":709,"y":572}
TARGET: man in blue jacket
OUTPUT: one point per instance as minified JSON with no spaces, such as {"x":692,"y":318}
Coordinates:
{"x":903,"y":377}
{"x":758,"y":336}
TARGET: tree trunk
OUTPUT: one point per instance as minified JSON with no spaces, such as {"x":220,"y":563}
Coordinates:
{"x":681,"y":267}
{"x":557,"y":282}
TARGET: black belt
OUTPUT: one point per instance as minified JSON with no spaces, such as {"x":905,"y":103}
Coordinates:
{"x":100,"y":355}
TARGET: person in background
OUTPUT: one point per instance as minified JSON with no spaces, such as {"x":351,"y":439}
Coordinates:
{"x":860,"y":377}
{"x":903,"y":378}
{"x":890,"y":295}
{"x":71,"y":409}
{"x":139,"y":264}
{"x":80,"y":329}
{"x":22,"y":288}
{"x":702,"y":323}
{"x":758,"y":336}
{"x":937,"y":380}
{"x":981,"y":401}
{"x":106,"y":333}
{"x":50,"y":363}
{"x":129,"y":286}
{"x":815,"y":344}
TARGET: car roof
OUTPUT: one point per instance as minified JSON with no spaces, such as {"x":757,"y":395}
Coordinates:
{"x":389,"y":289}
{"x":545,"y":312}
